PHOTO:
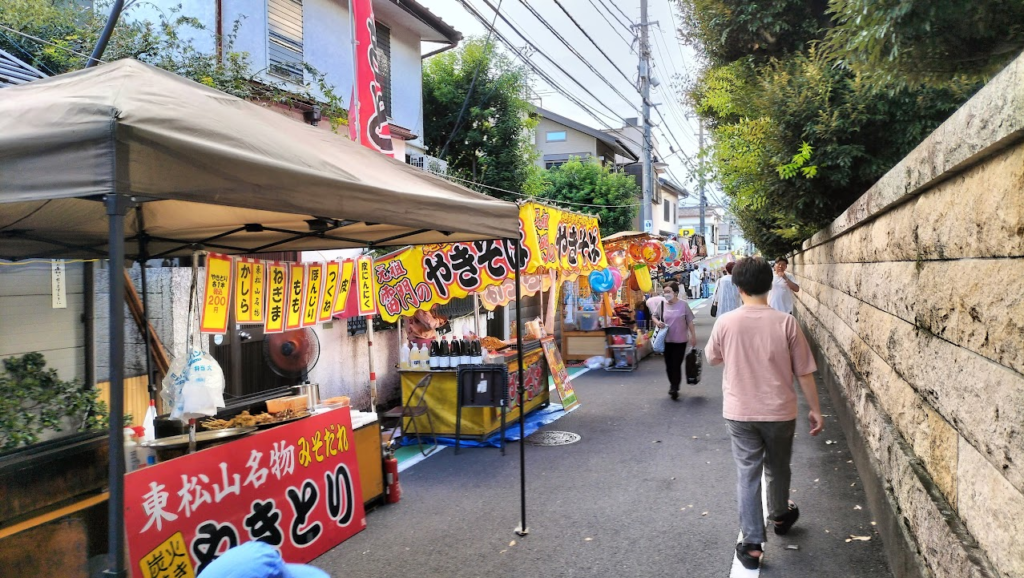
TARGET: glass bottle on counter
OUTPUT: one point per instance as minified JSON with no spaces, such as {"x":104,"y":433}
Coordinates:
{"x":456,"y":353}
{"x":435,"y":355}
{"x":466,"y":353}
{"x":476,"y":353}
{"x":445,"y":354}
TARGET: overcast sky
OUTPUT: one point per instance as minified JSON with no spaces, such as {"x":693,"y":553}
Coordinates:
{"x":605,"y":22}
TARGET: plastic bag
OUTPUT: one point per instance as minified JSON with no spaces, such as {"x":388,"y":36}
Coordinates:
{"x":194,"y":384}
{"x":597,"y":362}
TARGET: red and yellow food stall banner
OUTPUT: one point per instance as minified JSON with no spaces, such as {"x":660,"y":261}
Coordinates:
{"x":250,"y":291}
{"x":426,"y":275}
{"x":313,"y":295}
{"x":277,"y":297}
{"x":561,"y":240}
{"x":217,"y":297}
{"x":366,"y":287}
{"x":295,"y":487}
{"x":296,"y":292}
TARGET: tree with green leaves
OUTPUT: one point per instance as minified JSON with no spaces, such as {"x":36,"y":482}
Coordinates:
{"x":611,"y":196}
{"x":476,"y":116}
{"x":797,"y":134}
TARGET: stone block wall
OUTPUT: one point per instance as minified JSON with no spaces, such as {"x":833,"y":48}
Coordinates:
{"x":914,"y":301}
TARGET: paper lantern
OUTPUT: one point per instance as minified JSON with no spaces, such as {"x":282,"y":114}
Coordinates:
{"x":643,"y":277}
{"x":651,"y":252}
{"x":671,"y":251}
{"x":617,"y":258}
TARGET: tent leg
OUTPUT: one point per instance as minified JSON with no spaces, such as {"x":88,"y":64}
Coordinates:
{"x":373,"y":373}
{"x":522,"y":530}
{"x":143,"y":256}
{"x":117,"y":207}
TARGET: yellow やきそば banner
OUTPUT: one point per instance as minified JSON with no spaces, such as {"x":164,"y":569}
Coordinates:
{"x":561,"y":240}
{"x":423,"y":276}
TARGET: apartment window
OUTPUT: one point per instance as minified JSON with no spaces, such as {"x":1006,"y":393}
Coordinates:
{"x":553,"y":164}
{"x":556,"y":136}
{"x":384,"y":64}
{"x":284,"y":39}
{"x":668,"y":211}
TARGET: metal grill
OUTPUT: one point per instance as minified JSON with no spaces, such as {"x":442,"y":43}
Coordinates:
{"x":553,"y":438}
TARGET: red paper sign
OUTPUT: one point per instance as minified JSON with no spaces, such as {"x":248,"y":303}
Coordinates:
{"x":370,"y":118}
{"x":295,"y":487}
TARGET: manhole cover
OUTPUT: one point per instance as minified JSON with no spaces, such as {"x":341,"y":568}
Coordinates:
{"x":553,"y":438}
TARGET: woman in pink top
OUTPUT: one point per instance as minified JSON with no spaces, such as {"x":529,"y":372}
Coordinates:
{"x":675,"y":314}
{"x":763,"y":350}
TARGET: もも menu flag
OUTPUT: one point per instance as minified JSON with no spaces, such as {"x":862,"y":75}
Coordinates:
{"x":368,"y":122}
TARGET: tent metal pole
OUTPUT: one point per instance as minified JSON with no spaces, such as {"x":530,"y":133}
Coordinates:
{"x":117,"y":207}
{"x":143,"y":257}
{"x":522,"y":530}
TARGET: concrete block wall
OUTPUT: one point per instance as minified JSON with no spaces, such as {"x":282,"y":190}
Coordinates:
{"x":914,"y":301}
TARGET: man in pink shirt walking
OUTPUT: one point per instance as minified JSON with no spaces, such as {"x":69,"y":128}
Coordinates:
{"x":763,"y":350}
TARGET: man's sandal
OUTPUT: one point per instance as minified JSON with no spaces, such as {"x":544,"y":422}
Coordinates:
{"x":748,"y":561}
{"x":784,"y":522}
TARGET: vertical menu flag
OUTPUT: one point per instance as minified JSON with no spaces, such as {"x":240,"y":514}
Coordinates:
{"x":314,"y":293}
{"x":259,"y":283}
{"x":344,"y":288}
{"x":277,"y":297}
{"x":217,"y":297}
{"x":367,"y":296}
{"x":243,"y":290}
{"x":296,"y":293}
{"x":330,"y":291}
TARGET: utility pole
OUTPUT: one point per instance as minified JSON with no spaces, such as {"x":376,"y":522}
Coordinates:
{"x":645,"y":92}
{"x":700,"y":168}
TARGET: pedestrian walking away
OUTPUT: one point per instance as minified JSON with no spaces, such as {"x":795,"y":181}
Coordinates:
{"x":695,"y":283}
{"x":673,"y":313}
{"x":763,"y":349}
{"x":783,"y":286}
{"x":726,"y":297}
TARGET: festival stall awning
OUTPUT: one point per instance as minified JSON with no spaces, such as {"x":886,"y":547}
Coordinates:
{"x":554,"y":240}
{"x":206,"y":168}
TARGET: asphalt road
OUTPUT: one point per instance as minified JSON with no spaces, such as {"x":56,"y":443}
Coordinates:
{"x":649,"y":491}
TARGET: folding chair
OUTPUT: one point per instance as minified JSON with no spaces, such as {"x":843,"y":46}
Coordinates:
{"x":415,"y":407}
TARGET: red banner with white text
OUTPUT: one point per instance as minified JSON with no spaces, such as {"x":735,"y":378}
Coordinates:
{"x":295,"y":487}
{"x":367,"y":118}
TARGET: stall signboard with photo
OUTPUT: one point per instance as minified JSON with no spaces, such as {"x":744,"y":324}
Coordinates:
{"x":558,"y":374}
{"x":295,"y":487}
{"x":533,"y":382}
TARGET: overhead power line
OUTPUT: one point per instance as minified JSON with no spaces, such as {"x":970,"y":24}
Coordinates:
{"x":615,"y":27}
{"x":599,"y":49}
{"x":625,"y":25}
{"x":575,"y":52}
{"x":524,"y":195}
{"x":624,"y":15}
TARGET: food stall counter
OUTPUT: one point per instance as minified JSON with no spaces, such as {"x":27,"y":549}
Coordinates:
{"x":478,"y":422}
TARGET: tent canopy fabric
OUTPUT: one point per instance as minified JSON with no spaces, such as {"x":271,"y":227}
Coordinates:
{"x":206,"y":168}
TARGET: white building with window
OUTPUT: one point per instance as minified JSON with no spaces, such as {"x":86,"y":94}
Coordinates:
{"x":281,"y":36}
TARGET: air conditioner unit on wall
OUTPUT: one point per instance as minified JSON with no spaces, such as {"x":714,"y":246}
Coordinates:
{"x":429,"y":164}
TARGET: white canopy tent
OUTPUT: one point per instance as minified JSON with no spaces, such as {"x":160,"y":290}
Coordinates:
{"x":128,"y":160}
